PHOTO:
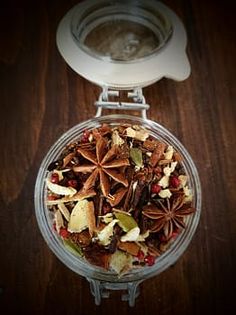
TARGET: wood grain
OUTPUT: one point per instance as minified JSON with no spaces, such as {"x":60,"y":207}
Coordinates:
{"x":41,"y":98}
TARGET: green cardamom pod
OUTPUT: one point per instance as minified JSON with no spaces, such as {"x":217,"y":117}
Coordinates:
{"x":136,"y":156}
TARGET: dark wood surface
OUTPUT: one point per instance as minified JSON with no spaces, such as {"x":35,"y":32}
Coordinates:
{"x":41,"y":98}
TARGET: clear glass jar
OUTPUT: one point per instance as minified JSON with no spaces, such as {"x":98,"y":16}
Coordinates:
{"x":121,"y":45}
{"x":96,"y":275}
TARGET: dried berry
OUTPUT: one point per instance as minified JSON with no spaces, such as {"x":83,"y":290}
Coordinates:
{"x":85,"y":136}
{"x":64,"y":233}
{"x":149,"y":260}
{"x":174,"y":181}
{"x":55,"y":178}
{"x":155,"y":188}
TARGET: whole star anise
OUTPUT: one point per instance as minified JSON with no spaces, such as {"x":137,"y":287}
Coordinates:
{"x":168,"y":216}
{"x":104,"y":164}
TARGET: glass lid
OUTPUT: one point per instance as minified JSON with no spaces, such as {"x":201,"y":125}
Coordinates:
{"x":121,"y":32}
{"x":123,"y":44}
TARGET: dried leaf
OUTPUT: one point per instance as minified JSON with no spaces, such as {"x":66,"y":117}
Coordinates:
{"x":60,"y":190}
{"x":164,"y":181}
{"x":187,"y":191}
{"x":131,"y":235}
{"x":107,"y":218}
{"x":105,"y":234}
{"x":169,"y":153}
{"x":77,"y":197}
{"x":82,"y":217}
{"x":165,"y":193}
{"x":116,"y":139}
{"x":64,"y":211}
{"x":142,"y":237}
{"x":169,"y":169}
{"x":183,"y":180}
{"x":120,"y":261}
{"x":141,"y":134}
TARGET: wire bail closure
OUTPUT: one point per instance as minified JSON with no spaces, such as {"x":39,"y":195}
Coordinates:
{"x":137,"y":96}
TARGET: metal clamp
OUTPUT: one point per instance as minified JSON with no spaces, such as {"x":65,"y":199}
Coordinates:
{"x":137,"y":96}
{"x":100,"y":289}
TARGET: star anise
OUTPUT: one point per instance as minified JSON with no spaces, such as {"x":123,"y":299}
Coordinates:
{"x":104,"y":165}
{"x":168,"y":216}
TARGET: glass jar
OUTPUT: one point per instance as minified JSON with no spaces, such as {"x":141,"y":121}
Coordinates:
{"x":101,"y":281}
{"x":120,"y":44}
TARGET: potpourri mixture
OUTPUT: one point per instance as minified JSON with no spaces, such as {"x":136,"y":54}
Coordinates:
{"x":119,"y":197}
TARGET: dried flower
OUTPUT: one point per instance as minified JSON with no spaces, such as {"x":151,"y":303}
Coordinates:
{"x":103,"y":165}
{"x":169,"y":215}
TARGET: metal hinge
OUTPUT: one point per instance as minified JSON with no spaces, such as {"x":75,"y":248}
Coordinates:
{"x":137,"y":96}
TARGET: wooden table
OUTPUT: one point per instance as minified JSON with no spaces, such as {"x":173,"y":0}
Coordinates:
{"x":41,"y":98}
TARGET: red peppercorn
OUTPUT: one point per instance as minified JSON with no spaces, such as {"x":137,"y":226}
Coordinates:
{"x":149,"y":260}
{"x":72,"y":183}
{"x":174,"y":181}
{"x":85,"y":136}
{"x":55,"y":178}
{"x":155,"y":188}
{"x":64,"y":233}
{"x":140,"y":255}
